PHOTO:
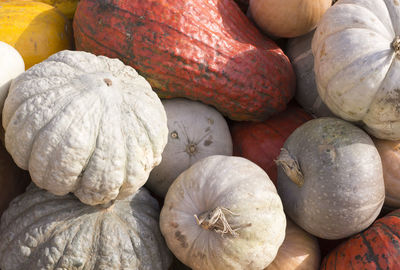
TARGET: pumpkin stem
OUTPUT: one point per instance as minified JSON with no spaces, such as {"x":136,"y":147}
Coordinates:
{"x":216,"y":220}
{"x":396,"y":45}
{"x":290,"y":166}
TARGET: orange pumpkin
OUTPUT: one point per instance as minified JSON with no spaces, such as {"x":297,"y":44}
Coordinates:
{"x":376,"y":248}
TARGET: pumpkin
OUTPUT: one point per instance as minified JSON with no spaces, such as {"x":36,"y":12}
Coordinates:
{"x":287,"y":19}
{"x":376,"y":248}
{"x":356,"y":47}
{"x":201,"y":50}
{"x":330,"y":178}
{"x":223,"y":213}
{"x":390,"y":155}
{"x":36,"y":30}
{"x":300,"y":54}
{"x":44,"y":231}
{"x":299,"y":251}
{"x":261,"y":142}
{"x":13,"y":180}
{"x":85,"y":124}
{"x":196,"y":131}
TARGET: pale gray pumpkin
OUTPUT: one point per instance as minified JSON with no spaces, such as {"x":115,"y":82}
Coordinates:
{"x":223,"y":213}
{"x":300,"y":54}
{"x":356,"y":49}
{"x":196,"y":131}
{"x":85,"y":124}
{"x":44,"y":231}
{"x":330,"y":178}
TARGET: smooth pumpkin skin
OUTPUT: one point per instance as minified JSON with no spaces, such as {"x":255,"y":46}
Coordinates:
{"x":289,"y":18}
{"x":243,"y":188}
{"x":356,"y":64}
{"x":300,"y":54}
{"x":85,"y":124}
{"x":378,"y":247}
{"x":13,"y":180}
{"x":207,"y":51}
{"x":262,"y":142}
{"x":44,"y":231}
{"x":196,"y":131}
{"x":299,"y":250}
{"x":390,"y":155}
{"x":343,"y":190}
{"x":36,"y":30}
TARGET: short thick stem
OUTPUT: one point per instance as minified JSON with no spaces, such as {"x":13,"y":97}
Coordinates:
{"x":396,"y":45}
{"x":291,"y":167}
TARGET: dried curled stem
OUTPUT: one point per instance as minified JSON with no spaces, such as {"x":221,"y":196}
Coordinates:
{"x":216,"y":220}
{"x":290,"y":166}
{"x":396,"y":45}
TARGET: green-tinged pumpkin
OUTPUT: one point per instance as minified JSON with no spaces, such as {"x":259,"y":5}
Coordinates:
{"x":378,"y":247}
{"x":201,"y":50}
{"x":330,"y":178}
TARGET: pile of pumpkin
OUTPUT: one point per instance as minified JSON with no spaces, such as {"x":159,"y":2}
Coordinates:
{"x":163,"y":134}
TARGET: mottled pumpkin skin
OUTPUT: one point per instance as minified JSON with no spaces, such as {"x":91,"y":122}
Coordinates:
{"x":262,"y":142}
{"x":376,"y":248}
{"x":202,"y":50}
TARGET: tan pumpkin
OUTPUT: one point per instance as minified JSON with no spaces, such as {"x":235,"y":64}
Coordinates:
{"x":299,"y":250}
{"x":390,"y":156}
{"x":289,"y":18}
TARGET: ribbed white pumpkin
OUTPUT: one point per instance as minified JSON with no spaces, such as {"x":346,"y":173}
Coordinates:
{"x":240,"y":220}
{"x":11,"y":65}
{"x":356,"y":49}
{"x":85,"y":124}
{"x":44,"y":231}
{"x":196,"y":131}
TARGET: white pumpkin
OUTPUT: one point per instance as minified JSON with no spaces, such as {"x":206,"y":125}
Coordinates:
{"x":223,"y":213}
{"x":11,"y":65}
{"x":196,"y":131}
{"x":85,"y":124}
{"x":356,"y":50}
{"x":44,"y":231}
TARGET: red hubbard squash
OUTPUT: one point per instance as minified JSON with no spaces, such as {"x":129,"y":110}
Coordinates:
{"x":378,"y":247}
{"x":201,"y":50}
{"x":262,"y":142}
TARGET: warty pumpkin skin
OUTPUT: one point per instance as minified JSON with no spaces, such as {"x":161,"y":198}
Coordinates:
{"x":299,"y":250}
{"x":390,"y":156}
{"x":196,"y":131}
{"x":330,"y":178}
{"x":36,"y":30}
{"x":300,"y":54}
{"x":85,"y":124}
{"x":356,"y":50}
{"x":378,"y":247}
{"x":261,"y":142}
{"x":223,"y":213}
{"x":201,"y":50}
{"x":289,"y":18}
{"x":44,"y":231}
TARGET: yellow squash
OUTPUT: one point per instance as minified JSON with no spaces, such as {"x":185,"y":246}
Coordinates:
{"x":35,"y":29}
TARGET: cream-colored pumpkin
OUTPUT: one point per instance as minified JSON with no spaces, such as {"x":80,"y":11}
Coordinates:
{"x":85,"y":124}
{"x":223,"y":213}
{"x":43,"y":231}
{"x":356,"y":49}
{"x":289,"y":18}
{"x":196,"y":131}
{"x":299,"y":251}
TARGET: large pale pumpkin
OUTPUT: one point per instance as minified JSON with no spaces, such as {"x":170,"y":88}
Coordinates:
{"x":299,"y":251}
{"x":35,"y":29}
{"x":223,"y":213}
{"x":356,"y":51}
{"x":85,"y":124}
{"x":43,"y":231}
{"x":330,"y":178}
{"x":196,"y":131}
{"x":390,"y":155}
{"x":289,"y":18}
